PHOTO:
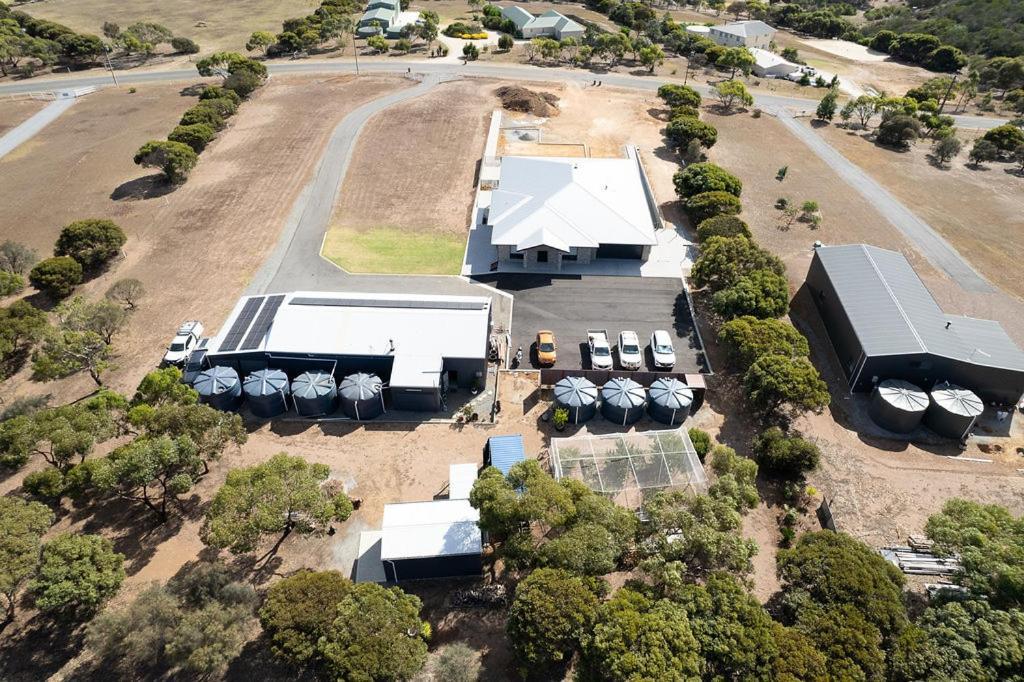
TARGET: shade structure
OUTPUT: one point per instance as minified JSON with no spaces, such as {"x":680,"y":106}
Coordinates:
{"x":623,"y":400}
{"x":267,"y":391}
{"x":314,"y":394}
{"x":578,"y":395}
{"x":361,"y":396}
{"x":670,"y":401}
{"x":897,"y":405}
{"x":953,"y":411}
{"x":219,"y":387}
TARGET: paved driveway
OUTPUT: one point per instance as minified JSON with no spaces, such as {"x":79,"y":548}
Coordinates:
{"x":569,"y":305}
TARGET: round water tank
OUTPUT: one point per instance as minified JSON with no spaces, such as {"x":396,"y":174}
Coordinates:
{"x":670,"y":401}
{"x":219,"y":387}
{"x":898,"y":405}
{"x":622,"y":401}
{"x":361,"y":396}
{"x":266,"y":390}
{"x":314,"y":394}
{"x":578,"y":395}
{"x":953,"y":411}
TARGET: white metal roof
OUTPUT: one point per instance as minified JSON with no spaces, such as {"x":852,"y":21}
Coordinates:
{"x":746,"y":29}
{"x":566,"y":202}
{"x":415,"y":530}
{"x":767,"y":60}
{"x":461,"y":478}
{"x":407,"y":326}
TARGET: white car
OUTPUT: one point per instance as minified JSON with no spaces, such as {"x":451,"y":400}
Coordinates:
{"x":183,"y":343}
{"x":661,"y":349}
{"x":630,"y":355}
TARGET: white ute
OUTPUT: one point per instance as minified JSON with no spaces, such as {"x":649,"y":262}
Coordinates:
{"x":600,"y":349}
{"x":661,"y":349}
{"x":184,"y":341}
{"x":630,"y":356}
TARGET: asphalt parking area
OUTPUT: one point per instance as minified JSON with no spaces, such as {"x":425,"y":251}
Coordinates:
{"x":569,"y":305}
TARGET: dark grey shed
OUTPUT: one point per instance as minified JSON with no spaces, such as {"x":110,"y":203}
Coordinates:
{"x":953,"y":411}
{"x":315,"y":394}
{"x":670,"y":401}
{"x":219,"y":387}
{"x":578,"y":395}
{"x":362,"y":396}
{"x":622,"y":400}
{"x":898,"y":405}
{"x":266,"y":391}
{"x":884,"y":324}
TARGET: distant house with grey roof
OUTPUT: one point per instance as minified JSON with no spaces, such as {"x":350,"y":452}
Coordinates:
{"x":551,"y":24}
{"x":884,"y":324}
{"x":385,"y":17}
{"x":743,"y":34}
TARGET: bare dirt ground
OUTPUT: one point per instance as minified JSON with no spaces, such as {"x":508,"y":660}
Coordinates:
{"x":15,"y":112}
{"x":419,"y":160}
{"x":214,"y":25}
{"x":195,"y":248}
{"x":977,"y":209}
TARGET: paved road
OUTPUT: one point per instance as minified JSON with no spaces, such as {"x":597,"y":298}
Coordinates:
{"x":493,"y":70}
{"x":929,"y":242}
{"x":24,"y":132}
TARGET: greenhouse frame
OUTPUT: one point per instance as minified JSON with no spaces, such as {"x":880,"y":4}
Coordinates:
{"x":625,"y":465}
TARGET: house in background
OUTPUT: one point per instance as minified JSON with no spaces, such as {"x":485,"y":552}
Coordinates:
{"x":551,"y":24}
{"x":547,"y":211}
{"x":385,"y":17}
{"x":743,"y":34}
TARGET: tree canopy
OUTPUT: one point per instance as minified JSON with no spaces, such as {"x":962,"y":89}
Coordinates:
{"x":777,"y":384}
{"x":761,"y":293}
{"x":705,"y":177}
{"x":93,"y":243}
{"x":748,"y":338}
{"x":77,"y":574}
{"x":22,"y":525}
{"x":299,"y":610}
{"x":724,"y":260}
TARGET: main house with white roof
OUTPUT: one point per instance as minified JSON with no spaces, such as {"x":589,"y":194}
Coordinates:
{"x":546,"y":211}
{"x":752,"y":33}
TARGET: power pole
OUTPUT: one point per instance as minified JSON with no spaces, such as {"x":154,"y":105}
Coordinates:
{"x":942,"y":105}
{"x":106,"y":57}
{"x":355,"y":50}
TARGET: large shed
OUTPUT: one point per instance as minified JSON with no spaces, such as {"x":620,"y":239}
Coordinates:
{"x":578,"y":395}
{"x":884,"y":323}
{"x":436,"y":539}
{"x":622,"y":401}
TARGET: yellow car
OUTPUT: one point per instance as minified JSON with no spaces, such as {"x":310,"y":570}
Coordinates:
{"x":546,"y":348}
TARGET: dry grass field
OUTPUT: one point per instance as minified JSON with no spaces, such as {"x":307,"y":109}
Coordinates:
{"x":195,"y":248}
{"x":15,"y":112}
{"x":405,"y":202}
{"x":214,"y":25}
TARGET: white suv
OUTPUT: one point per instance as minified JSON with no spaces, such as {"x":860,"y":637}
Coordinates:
{"x":661,"y":349}
{"x":630,"y":355}
{"x":183,"y":343}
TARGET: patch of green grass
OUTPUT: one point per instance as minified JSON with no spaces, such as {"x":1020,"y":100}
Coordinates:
{"x":390,"y":250}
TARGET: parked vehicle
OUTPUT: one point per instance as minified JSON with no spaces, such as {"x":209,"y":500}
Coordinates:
{"x":183,"y":343}
{"x":600,"y":349}
{"x":630,"y":356}
{"x":661,"y":349}
{"x":546,"y":347}
{"x":194,"y":366}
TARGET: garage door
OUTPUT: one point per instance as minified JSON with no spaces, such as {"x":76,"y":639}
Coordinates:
{"x":627,"y":251}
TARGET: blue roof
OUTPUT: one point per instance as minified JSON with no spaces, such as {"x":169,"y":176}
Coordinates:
{"x":505,"y":451}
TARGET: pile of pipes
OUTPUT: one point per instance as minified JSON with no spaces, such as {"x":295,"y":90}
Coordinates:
{"x":921,"y":562}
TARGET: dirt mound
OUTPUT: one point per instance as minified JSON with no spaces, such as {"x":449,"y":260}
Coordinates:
{"x":517,"y":98}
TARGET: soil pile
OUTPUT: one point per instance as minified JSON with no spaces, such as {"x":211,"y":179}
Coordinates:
{"x":517,"y":98}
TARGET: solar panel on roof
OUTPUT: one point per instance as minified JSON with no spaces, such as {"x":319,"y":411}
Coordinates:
{"x":241,"y":323}
{"x":263,"y":322}
{"x":386,"y":303}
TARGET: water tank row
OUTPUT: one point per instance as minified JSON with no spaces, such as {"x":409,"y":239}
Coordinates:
{"x":314,"y":394}
{"x":901,"y":407}
{"x":624,"y":401}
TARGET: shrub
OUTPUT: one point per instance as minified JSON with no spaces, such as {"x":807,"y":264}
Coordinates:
{"x":202,"y":115}
{"x":16,"y":258}
{"x":46,"y":484}
{"x":1006,"y":137}
{"x":682,"y":111}
{"x":219,"y":92}
{"x":458,"y":663}
{"x":724,"y":260}
{"x":77,"y":573}
{"x":700,"y":207}
{"x":196,"y":136}
{"x":184,"y":45}
{"x":782,"y":454}
{"x":470,"y":52}
{"x":127,"y":292}
{"x":93,"y":243}
{"x":681,"y":131}
{"x":57,"y":276}
{"x":775,"y":383}
{"x":224,"y":106}
{"x":175,"y":159}
{"x":243,"y":83}
{"x":722,"y":226}
{"x":701,"y":442}
{"x":676,"y":95}
{"x":299,"y":610}
{"x":403,"y":45}
{"x":505,"y":42}
{"x":747,"y":338}
{"x":762,"y":294}
{"x":899,"y":131}
{"x":10,"y":283}
{"x":551,"y":611}
{"x":698,"y":178}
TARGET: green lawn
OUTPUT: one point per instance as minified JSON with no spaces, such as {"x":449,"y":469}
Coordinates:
{"x":391,"y":250}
